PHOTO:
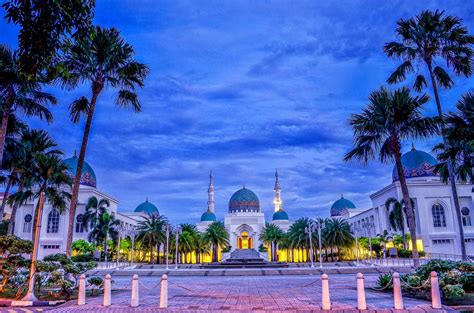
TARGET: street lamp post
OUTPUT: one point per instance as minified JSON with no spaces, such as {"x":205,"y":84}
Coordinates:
{"x":178,"y":231}
{"x":120,"y":229}
{"x":309,"y":231}
{"x":167,"y":229}
{"x":356,"y":230}
{"x":369,"y":226}
{"x":320,"y":225}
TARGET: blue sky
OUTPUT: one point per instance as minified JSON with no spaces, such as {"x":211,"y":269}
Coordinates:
{"x":242,"y":88}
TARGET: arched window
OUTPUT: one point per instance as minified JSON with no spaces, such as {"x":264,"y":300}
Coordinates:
{"x":27,"y":223}
{"x":79,"y":225}
{"x":53,"y":222}
{"x":439,"y":218}
{"x":466,"y":217}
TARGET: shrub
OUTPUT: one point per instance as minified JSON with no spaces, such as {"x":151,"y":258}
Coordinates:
{"x":95,"y":283}
{"x":453,"y":291}
{"x":385,"y":281}
{"x":82,"y":258}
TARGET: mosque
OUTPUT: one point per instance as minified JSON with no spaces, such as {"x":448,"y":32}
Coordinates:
{"x":435,"y":217}
{"x":434,"y":211}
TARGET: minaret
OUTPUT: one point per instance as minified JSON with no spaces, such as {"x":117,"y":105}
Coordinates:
{"x":277,"y":189}
{"x":210,"y":193}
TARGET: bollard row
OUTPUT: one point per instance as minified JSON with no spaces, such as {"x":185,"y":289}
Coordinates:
{"x":325,"y":295}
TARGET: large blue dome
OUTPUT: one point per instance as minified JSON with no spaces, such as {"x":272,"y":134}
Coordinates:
{"x":280,"y":216}
{"x":147,"y":207}
{"x":244,"y":200}
{"x":208,"y":217}
{"x":88,"y":176}
{"x":341,"y":205}
{"x":416,"y":163}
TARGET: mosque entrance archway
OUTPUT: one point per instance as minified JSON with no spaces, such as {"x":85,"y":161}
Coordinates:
{"x":244,"y":241}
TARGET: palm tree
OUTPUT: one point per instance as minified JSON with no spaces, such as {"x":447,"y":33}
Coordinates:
{"x":338,"y":234}
{"x":105,"y":228}
{"x":431,"y":39}
{"x":218,"y":236}
{"x":50,"y":180}
{"x":460,"y":134}
{"x":19,"y":95}
{"x":152,"y":232}
{"x":30,"y":144}
{"x":94,"y":209}
{"x":272,"y":235}
{"x":389,"y":118}
{"x":396,"y":216}
{"x":201,"y":246}
{"x":297,"y":236}
{"x":102,"y":59}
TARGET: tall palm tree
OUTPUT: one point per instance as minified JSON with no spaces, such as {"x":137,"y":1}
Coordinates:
{"x":17,"y":94}
{"x":460,"y":134}
{"x":338,"y":234}
{"x":217,"y":235}
{"x":102,"y":59}
{"x":389,"y":118}
{"x":94,"y":209}
{"x":201,"y":246}
{"x":31,"y":143}
{"x":298,"y":238}
{"x":396,"y":216}
{"x":272,"y":235}
{"x":50,"y":180}
{"x":152,"y":232}
{"x":105,"y":229}
{"x":432,"y":39}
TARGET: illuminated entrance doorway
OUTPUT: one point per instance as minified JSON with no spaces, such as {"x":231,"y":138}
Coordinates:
{"x":244,"y":241}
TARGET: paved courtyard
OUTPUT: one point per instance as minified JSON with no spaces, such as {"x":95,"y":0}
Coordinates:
{"x":243,"y":293}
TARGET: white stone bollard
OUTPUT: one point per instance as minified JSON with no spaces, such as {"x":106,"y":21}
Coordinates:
{"x":361,"y":304}
{"x":435,"y":294}
{"x":326,"y":300}
{"x":164,"y":292}
{"x":397,"y":292}
{"x":81,"y":296}
{"x":134,"y":302}
{"x":107,"y":290}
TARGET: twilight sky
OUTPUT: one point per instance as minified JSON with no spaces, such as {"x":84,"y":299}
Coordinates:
{"x":242,"y":88}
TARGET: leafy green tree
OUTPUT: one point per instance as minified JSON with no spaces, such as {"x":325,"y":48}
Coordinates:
{"x":18,"y":95}
{"x":152,"y":232}
{"x":105,"y":228}
{"x":31,"y":143}
{"x":44,"y":25}
{"x":94,"y":209}
{"x":102,"y":59}
{"x":338,"y":233}
{"x":11,"y":250}
{"x":50,"y":180}
{"x":217,"y":235}
{"x":460,"y":135}
{"x":272,"y":235}
{"x":388,"y":119}
{"x":81,"y":246}
{"x":426,"y":42}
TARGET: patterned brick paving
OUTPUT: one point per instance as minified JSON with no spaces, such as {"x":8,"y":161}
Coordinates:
{"x":244,"y":293}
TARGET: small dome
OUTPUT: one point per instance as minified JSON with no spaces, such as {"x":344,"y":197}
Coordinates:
{"x":147,"y":207}
{"x":244,"y":200}
{"x":88,"y":176}
{"x":416,"y":163}
{"x":208,"y":217}
{"x":280,"y":215}
{"x":340,"y":205}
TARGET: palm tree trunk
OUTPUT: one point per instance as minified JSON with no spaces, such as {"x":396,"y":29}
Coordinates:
{"x":406,"y":198}
{"x":6,"y":194}
{"x":11,"y":224}
{"x":3,"y":127}
{"x":450,"y":164}
{"x":80,"y":162}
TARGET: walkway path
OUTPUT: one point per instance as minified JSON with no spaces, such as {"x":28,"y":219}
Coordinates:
{"x":243,"y":294}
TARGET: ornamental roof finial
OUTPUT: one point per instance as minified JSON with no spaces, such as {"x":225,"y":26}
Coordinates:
{"x":412,"y":146}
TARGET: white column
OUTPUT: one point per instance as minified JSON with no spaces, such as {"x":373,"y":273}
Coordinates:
{"x":81,"y":296}
{"x":326,"y":301}
{"x":361,"y":304}
{"x":107,"y":290}
{"x":164,"y":292}
{"x":435,"y":294}
{"x":397,"y":292}
{"x":134,"y":302}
